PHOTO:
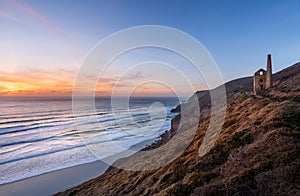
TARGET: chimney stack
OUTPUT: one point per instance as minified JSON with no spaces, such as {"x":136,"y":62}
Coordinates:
{"x":269,"y":72}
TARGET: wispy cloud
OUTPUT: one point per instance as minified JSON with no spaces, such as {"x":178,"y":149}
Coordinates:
{"x":135,"y":76}
{"x":21,"y":12}
{"x":34,"y":13}
{"x":9,"y":16}
{"x":39,"y":82}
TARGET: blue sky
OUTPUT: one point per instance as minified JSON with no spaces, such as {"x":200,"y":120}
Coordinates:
{"x":47,"y":37}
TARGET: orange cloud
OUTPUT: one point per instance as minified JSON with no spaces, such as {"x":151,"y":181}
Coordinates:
{"x":45,"y":83}
{"x":29,"y":84}
{"x":36,"y":82}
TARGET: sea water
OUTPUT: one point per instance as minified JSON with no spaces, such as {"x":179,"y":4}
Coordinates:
{"x":40,"y":135}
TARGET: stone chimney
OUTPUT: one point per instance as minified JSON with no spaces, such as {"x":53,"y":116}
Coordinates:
{"x":269,"y":72}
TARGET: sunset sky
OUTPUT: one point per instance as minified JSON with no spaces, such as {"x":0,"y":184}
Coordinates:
{"x":43,"y":43}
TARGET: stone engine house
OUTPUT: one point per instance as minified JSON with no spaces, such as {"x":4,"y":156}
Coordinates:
{"x":263,"y":79}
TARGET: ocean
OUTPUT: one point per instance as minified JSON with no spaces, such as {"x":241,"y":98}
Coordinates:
{"x":40,"y":135}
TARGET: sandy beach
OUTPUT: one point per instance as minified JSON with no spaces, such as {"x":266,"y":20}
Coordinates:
{"x":57,"y":181}
{"x":50,"y":183}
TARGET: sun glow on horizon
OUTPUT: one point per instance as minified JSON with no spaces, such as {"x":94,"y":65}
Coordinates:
{"x":55,"y":85}
{"x":42,"y":45}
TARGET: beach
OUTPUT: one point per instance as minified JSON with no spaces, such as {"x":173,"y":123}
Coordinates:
{"x":142,"y":98}
{"x":52,"y":182}
{"x":43,"y":152}
{"x":60,"y":180}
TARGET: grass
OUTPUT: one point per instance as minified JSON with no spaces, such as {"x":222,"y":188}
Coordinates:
{"x":248,"y":178}
{"x":194,"y":180}
{"x":260,"y":135}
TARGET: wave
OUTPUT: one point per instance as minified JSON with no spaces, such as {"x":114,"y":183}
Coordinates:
{"x":43,"y":137}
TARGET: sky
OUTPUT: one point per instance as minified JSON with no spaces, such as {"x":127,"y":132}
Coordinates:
{"x":44,"y":43}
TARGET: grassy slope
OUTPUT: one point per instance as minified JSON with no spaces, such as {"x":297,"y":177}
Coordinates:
{"x":257,"y":152}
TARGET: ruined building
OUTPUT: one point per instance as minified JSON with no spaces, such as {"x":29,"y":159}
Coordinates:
{"x":262,"y":79}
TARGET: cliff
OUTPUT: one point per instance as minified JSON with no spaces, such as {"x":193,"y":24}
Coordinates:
{"x":257,"y":152}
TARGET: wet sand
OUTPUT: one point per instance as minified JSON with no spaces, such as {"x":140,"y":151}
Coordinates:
{"x":53,"y":182}
{"x":59,"y":180}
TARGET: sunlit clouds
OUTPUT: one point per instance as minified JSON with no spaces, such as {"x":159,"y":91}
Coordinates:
{"x":35,"y":56}
{"x":44,"y":43}
{"x":36,"y":83}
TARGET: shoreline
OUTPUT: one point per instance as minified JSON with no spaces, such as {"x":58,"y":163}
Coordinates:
{"x":142,"y":146}
{"x":62,"y":179}
{"x":55,"y":181}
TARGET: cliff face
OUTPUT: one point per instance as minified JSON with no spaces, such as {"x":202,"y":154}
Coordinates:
{"x":257,"y":151}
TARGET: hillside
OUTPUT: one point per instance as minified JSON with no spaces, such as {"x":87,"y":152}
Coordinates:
{"x":257,"y":152}
{"x":286,"y":81}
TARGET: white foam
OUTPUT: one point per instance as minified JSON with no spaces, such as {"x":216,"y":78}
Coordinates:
{"x":41,"y":150}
